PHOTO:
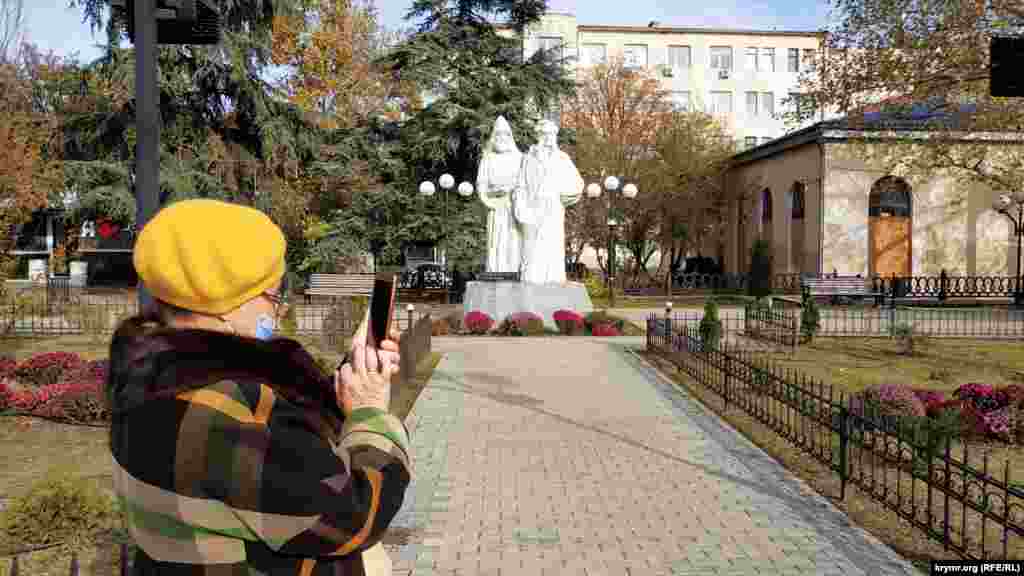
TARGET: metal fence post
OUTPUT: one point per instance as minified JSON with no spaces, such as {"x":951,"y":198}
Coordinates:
{"x":844,"y":445}
{"x":728,"y":377}
{"x":409,"y":310}
{"x":668,"y":322}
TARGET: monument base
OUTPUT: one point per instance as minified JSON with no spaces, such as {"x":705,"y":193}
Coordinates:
{"x":501,"y":299}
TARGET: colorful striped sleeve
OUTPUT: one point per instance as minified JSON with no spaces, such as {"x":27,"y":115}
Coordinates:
{"x":302,"y":497}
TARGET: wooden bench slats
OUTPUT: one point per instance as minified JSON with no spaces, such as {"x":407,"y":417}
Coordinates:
{"x":340,"y":285}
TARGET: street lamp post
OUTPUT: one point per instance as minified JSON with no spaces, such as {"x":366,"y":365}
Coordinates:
{"x":1012,"y":206}
{"x":611,"y":184}
{"x":427,"y":189}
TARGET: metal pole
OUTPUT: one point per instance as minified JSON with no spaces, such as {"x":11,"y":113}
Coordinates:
{"x":444,"y":271}
{"x":611,"y":251}
{"x":1019,"y":229}
{"x":147,"y":122}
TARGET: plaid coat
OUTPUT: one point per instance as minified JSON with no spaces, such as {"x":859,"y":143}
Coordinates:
{"x":231,"y":457}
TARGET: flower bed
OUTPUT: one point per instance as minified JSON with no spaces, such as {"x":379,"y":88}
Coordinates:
{"x":522,"y":324}
{"x":57,"y":385}
{"x":979,"y":411}
{"x":569,"y":322}
{"x":477,"y":322}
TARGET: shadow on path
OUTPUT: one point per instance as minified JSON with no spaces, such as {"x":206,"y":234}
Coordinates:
{"x":768,"y":477}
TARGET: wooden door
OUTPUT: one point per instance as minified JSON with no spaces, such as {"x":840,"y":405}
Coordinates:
{"x":889,"y":240}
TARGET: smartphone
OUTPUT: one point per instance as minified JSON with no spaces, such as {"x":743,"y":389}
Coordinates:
{"x":382,"y":306}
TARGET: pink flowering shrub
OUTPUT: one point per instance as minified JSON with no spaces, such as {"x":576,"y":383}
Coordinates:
{"x":898,"y":400}
{"x":605,"y":329}
{"x":522,"y":324}
{"x":568,"y":322}
{"x":929,"y":397}
{"x":477,"y":322}
{"x":46,"y":368}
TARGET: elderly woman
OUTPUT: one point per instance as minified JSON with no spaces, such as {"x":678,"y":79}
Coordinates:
{"x":233,"y":453}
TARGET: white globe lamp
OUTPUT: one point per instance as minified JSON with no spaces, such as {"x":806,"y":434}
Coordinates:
{"x":447,"y":181}
{"x":427,"y":188}
{"x":593,"y":190}
{"x":629,"y":190}
{"x":465,"y":189}
{"x":611,"y":183}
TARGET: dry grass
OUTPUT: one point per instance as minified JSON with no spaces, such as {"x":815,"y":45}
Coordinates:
{"x":939,"y":363}
{"x":31,"y":446}
{"x":879,"y":475}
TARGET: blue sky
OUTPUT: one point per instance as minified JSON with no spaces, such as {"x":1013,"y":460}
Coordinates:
{"x":53,"y":26}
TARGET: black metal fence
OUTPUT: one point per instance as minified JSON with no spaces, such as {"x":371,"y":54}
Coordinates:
{"x":938,"y":288}
{"x":925,"y":477}
{"x":37,"y":313}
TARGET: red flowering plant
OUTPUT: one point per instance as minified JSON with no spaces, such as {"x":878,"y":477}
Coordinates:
{"x":568,"y":322}
{"x":47,"y":368}
{"x":605,"y":329}
{"x":108,"y":229}
{"x":478,"y":323}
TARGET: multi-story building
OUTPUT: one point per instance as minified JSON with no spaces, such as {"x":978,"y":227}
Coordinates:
{"x":744,"y":76}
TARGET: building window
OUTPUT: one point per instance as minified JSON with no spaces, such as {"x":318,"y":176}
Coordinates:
{"x":798,"y":200}
{"x":766,"y":205}
{"x":752,"y":58}
{"x":766,"y":62}
{"x":721,"y":103}
{"x":793,"y":59}
{"x":594,"y":54}
{"x":551,"y":44}
{"x":766,"y":139}
{"x":750,"y":142}
{"x":760,"y":104}
{"x":634,"y":55}
{"x":721,"y":57}
{"x":681,"y":99}
{"x":679,"y":56}
{"x":809,"y":55}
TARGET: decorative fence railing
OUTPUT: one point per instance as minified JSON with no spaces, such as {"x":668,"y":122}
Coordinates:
{"x":939,"y":288}
{"x":776,"y":325}
{"x":927,"y":478}
{"x":36,"y":314}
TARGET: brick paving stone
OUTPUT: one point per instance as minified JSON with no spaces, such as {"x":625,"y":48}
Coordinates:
{"x":549,"y":456}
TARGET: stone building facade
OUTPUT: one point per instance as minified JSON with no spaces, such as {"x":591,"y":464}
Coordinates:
{"x":824,"y":208}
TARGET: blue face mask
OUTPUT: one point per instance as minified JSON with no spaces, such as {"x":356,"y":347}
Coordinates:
{"x":264,"y":327}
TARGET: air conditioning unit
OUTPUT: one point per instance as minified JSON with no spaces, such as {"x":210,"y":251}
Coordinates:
{"x":723,"y":74}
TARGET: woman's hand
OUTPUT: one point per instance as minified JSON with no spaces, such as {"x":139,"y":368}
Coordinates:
{"x":364,"y":379}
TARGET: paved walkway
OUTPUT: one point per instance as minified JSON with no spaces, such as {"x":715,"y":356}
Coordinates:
{"x":563,"y":457}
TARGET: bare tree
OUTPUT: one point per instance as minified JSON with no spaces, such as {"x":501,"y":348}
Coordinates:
{"x":12,"y":23}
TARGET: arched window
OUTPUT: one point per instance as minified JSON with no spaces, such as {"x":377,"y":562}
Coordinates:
{"x":890,"y":196}
{"x":798,"y":200}
{"x":766,"y":205}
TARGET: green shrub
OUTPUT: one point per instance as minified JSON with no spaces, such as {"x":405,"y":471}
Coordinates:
{"x":522,"y":324}
{"x":810,"y":318}
{"x":59,"y":508}
{"x":907,"y":336}
{"x":596,"y":289}
{"x":455,"y":320}
{"x":710,"y":326}
{"x":760,"y":269}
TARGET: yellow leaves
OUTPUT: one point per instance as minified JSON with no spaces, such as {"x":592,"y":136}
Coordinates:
{"x":331,"y":53}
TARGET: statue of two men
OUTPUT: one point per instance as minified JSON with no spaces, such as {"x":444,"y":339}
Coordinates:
{"x":526,"y":196}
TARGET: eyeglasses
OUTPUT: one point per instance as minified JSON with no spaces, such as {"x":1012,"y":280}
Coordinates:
{"x":279,"y":298}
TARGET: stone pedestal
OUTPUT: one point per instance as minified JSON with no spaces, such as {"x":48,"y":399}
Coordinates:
{"x":500,"y":299}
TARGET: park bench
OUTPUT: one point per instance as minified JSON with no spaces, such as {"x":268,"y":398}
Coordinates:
{"x":426,"y":283}
{"x":836,"y":287}
{"x":339,"y":285}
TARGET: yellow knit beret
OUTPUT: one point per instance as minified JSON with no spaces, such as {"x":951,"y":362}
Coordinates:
{"x":209,"y":256}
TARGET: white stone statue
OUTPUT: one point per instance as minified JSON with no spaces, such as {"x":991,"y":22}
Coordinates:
{"x":548,"y":182}
{"x":495,"y":180}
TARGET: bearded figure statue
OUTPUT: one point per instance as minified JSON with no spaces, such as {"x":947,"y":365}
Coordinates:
{"x":495,"y":181}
